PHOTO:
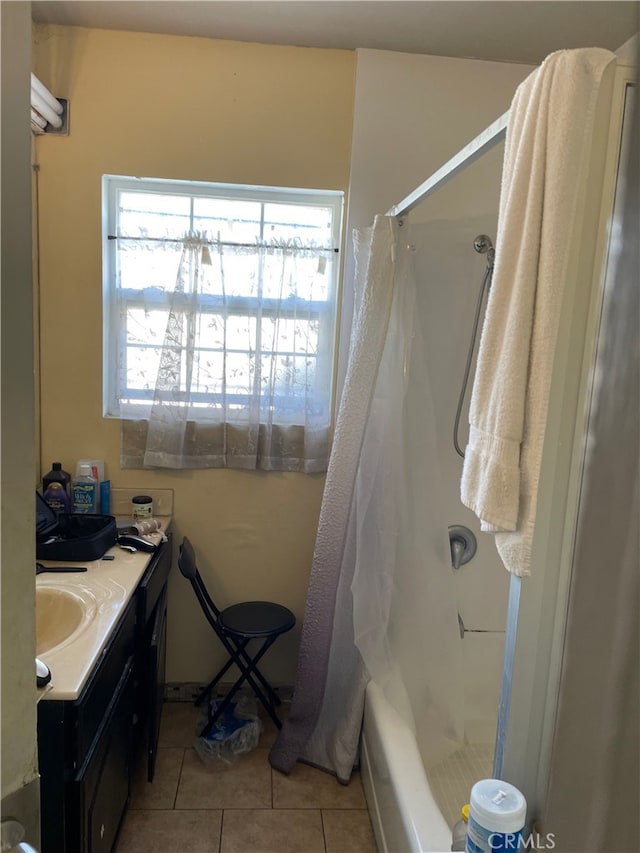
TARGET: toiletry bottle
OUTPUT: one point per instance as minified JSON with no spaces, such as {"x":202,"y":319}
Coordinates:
{"x":459,"y":831}
{"x":97,"y":470}
{"x":104,"y":489}
{"x":56,"y":475}
{"x":57,"y":498}
{"x":85,"y":490}
{"x":497,"y":814}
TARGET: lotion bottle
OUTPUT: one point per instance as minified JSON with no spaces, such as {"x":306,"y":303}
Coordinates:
{"x":56,"y":475}
{"x":57,"y":498}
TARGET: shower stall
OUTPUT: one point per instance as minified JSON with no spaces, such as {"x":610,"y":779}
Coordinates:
{"x":471,"y":689}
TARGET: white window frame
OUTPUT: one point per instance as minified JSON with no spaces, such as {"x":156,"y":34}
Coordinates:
{"x":112,"y":185}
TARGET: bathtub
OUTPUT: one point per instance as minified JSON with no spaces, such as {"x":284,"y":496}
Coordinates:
{"x":404,"y":813}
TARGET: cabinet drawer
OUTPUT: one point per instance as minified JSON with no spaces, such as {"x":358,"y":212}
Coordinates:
{"x":95,"y":698}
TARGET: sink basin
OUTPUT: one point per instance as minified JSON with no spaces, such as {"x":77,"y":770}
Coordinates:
{"x":60,"y":614}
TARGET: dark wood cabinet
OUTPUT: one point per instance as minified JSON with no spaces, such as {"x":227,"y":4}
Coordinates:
{"x":87,"y":747}
{"x":101,"y":787}
{"x":151,"y":600}
{"x":156,"y":660}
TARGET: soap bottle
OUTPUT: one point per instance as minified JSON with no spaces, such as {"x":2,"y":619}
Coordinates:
{"x":57,"y":498}
{"x":56,"y":475}
{"x":459,"y":831}
{"x":85,"y":490}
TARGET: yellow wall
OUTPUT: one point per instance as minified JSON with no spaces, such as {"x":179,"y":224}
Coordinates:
{"x":193,"y":109}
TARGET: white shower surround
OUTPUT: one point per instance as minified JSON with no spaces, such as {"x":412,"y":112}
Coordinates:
{"x":411,"y":114}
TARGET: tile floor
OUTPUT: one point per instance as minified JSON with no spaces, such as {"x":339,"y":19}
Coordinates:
{"x":247,"y":808}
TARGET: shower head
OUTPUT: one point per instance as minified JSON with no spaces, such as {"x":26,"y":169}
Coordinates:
{"x":482,"y":243}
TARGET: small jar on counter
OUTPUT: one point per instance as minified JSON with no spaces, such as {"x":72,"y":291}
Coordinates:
{"x":141,"y":507}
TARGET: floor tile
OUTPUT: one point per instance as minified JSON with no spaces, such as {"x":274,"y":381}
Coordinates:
{"x":348,"y":831}
{"x":308,"y":788}
{"x":170,"y":832}
{"x":179,"y":724}
{"x":161,"y":793}
{"x":244,"y":784}
{"x":272,"y":831}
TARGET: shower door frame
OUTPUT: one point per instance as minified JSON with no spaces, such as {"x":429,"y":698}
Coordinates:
{"x":537,"y":610}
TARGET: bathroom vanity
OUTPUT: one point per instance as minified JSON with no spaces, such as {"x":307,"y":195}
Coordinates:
{"x":106,"y":694}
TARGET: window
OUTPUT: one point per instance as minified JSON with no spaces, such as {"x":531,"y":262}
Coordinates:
{"x":146,"y":223}
{"x":220,"y":300}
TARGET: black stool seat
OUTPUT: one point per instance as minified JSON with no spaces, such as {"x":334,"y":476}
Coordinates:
{"x":256,"y":619}
{"x":236,"y":627}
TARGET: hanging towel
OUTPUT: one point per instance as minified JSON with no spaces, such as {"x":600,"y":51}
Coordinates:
{"x":547,"y":151}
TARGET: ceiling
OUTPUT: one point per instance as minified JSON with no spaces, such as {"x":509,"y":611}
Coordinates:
{"x":511,"y":30}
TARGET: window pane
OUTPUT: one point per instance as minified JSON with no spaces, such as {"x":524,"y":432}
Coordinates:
{"x":141,"y":368}
{"x":231,"y":273}
{"x":285,"y":276}
{"x":153,"y":215}
{"x":229,"y":220}
{"x":291,"y":376}
{"x":237,"y":333}
{"x":208,"y":373}
{"x":146,"y":327}
{"x":210,"y":370}
{"x":148,"y":265}
{"x":289,"y":336}
{"x":310,"y":225}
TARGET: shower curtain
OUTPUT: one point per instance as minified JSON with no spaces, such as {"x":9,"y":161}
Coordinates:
{"x":380,"y":542}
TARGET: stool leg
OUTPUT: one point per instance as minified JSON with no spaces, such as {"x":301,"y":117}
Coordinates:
{"x":208,"y":689}
{"x":273,"y":696}
{"x":246,"y":675}
{"x":247,"y":672}
{"x":252,"y":669}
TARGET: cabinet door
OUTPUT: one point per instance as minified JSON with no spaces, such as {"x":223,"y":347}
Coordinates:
{"x":103,"y":785}
{"x":153,"y":582}
{"x":157,"y":659}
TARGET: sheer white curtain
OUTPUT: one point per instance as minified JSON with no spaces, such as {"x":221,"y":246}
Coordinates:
{"x":404,"y":600}
{"x":242,"y":378}
{"x":381,"y":601}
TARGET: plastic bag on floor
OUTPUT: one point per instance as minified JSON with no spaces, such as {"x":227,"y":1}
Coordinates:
{"x":234,"y":734}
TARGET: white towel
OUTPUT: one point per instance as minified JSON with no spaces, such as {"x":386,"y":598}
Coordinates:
{"x":546,"y":154}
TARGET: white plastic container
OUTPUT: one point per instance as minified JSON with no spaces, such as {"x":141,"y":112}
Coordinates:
{"x":96,"y":465}
{"x":496,"y":817}
{"x":97,"y":471}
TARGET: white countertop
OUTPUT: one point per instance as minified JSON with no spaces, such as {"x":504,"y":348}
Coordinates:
{"x":105,"y":588}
